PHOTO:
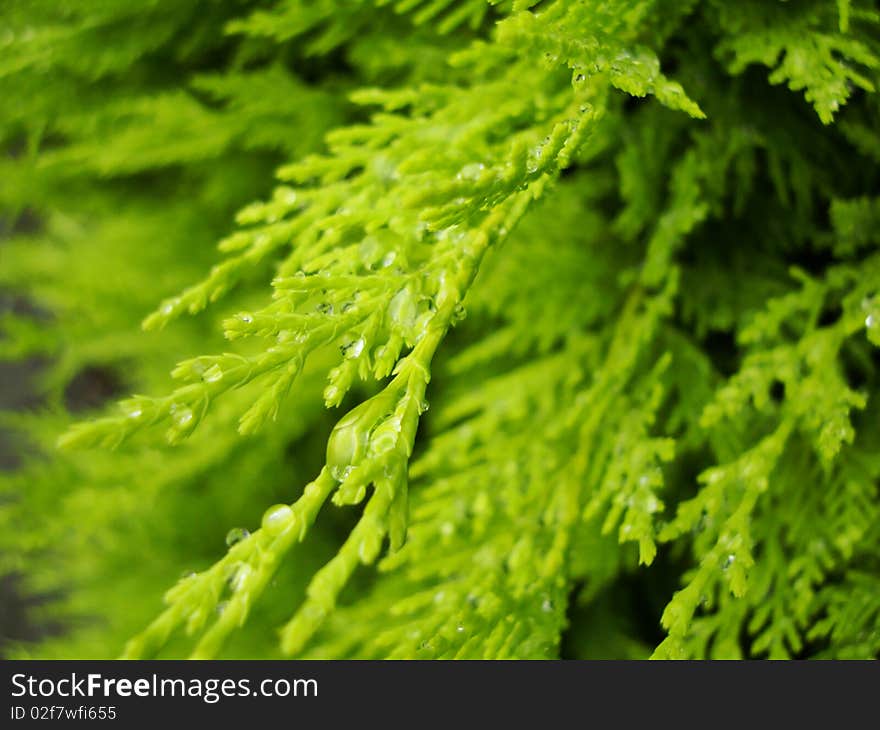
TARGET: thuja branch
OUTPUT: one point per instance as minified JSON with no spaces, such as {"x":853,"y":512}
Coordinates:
{"x":369,"y":445}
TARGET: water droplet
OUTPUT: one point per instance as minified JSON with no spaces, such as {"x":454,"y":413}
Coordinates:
{"x":424,"y":406}
{"x":459,"y":629}
{"x":579,"y":78}
{"x":212,"y":374}
{"x":472,"y":171}
{"x":181,"y":415}
{"x":277,"y":518}
{"x":728,"y":561}
{"x":459,"y":312}
{"x":389,"y":259}
{"x":245,"y":317}
{"x":221,"y":607}
{"x":236,"y":535}
{"x":349,"y":439}
{"x":346,"y":444}
{"x":385,"y":436}
{"x":870,"y":321}
{"x":353,"y":349}
{"x":402,"y":309}
{"x":134,"y":413}
{"x":324,"y":308}
{"x":240,"y":576}
{"x":340,"y":474}
{"x":547,"y":606}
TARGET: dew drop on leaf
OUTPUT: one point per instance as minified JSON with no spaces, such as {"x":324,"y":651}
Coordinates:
{"x":341,"y":474}
{"x":353,"y":349}
{"x":240,"y":576}
{"x":213,"y":374}
{"x":181,"y":415}
{"x":346,"y":445}
{"x":277,"y":518}
{"x":236,"y":535}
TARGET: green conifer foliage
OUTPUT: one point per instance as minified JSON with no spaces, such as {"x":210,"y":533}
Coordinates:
{"x":627,"y":248}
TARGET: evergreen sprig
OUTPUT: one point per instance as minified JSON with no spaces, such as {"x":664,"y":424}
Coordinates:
{"x":668,"y":366}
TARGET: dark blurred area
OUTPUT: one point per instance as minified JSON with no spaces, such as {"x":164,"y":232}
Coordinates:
{"x":18,"y":391}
